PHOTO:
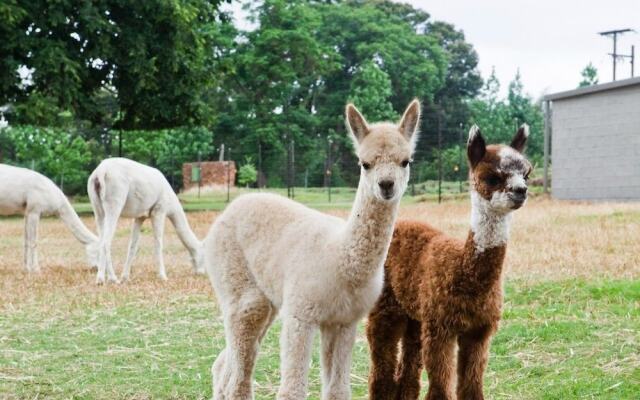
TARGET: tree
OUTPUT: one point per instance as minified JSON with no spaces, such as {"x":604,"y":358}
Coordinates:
{"x":62,"y":156}
{"x":589,"y":76}
{"x":499,"y":119}
{"x":462,"y":81}
{"x":154,"y":56}
{"x":247,"y":174}
{"x":371,"y":91}
{"x":363,"y":32}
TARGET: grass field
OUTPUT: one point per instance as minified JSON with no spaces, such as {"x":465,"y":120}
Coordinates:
{"x":571,"y":326}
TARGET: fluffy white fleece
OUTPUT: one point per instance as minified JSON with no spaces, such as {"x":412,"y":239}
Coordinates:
{"x":266,"y":254}
{"x":123,"y":187}
{"x":26,"y":192}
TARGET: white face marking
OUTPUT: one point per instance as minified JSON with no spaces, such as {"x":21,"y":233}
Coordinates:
{"x":507,"y":152}
{"x":386,"y":171}
{"x":490,"y":226}
{"x":516,"y":180}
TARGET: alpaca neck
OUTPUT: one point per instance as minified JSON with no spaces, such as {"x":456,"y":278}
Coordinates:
{"x":490,"y":228}
{"x":72,"y":221}
{"x":186,"y":235}
{"x":367,"y":235}
{"x":485,"y":248}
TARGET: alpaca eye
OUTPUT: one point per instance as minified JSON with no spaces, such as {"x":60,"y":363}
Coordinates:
{"x":366,"y":165}
{"x":492,"y":180}
{"x":404,"y":163}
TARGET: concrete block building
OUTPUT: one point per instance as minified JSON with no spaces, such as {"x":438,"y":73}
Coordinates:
{"x":595,"y":141}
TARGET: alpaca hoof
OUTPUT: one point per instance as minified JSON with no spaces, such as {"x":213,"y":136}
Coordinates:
{"x":100,"y":280}
{"x":163,"y":278}
{"x":124,"y":278}
{"x":201,"y":271}
{"x":33,"y":270}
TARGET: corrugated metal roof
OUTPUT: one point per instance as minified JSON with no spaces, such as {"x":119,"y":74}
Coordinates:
{"x":593,"y":89}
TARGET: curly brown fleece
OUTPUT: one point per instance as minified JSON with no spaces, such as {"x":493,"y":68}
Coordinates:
{"x":440,"y":292}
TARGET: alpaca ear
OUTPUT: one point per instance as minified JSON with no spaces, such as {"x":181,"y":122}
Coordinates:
{"x":410,"y":122}
{"x":476,"y":147}
{"x":356,"y":124}
{"x":519,"y":141}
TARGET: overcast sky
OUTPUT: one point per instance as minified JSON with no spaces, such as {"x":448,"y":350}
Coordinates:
{"x":550,"y":41}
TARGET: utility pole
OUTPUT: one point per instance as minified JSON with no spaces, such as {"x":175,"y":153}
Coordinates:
{"x":615,"y":54}
{"x":633,"y":59}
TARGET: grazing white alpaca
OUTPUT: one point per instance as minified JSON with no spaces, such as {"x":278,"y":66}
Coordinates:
{"x":266,"y":253}
{"x":23,"y":191}
{"x":123,"y":187}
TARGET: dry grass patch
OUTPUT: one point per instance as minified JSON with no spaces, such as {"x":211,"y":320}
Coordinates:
{"x":571,"y":320}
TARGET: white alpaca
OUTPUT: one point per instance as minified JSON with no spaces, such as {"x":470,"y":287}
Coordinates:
{"x":122,"y":187}
{"x":26,"y":192}
{"x":266,"y":254}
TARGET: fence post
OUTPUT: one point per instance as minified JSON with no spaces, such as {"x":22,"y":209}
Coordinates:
{"x":228,"y":174}
{"x":547,"y":135}
{"x":439,"y":155}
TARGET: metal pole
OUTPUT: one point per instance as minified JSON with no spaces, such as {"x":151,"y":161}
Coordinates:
{"x":120,"y":143}
{"x":460,"y":160}
{"x":293,"y":169}
{"x":288,"y":169}
{"x":615,"y":54}
{"x":547,"y":136}
{"x":200,"y":177}
{"x":328,"y":171}
{"x":228,"y":174}
{"x":259,"y":164}
{"x":633,"y":59}
{"x":439,"y":157}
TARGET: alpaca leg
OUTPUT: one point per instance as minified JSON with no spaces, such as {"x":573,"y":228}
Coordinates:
{"x":295,"y":354}
{"x":133,"y":247}
{"x":385,"y":326}
{"x":245,"y":325}
{"x":438,"y":358}
{"x":31,"y":221}
{"x":105,"y":264}
{"x":408,"y":374}
{"x":157,"y":221}
{"x":472,"y":360}
{"x":337,"y":345}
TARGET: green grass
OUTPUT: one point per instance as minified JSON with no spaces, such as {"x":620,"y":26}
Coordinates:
{"x":318,"y":198}
{"x":558,"y":340}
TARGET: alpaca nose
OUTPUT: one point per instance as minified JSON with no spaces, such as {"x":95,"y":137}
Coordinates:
{"x":520,"y":190}
{"x":386,"y":185}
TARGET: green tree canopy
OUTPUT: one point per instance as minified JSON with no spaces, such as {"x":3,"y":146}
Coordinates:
{"x":499,"y":119}
{"x":154,"y":57}
{"x":371,"y":91}
{"x":589,"y":76}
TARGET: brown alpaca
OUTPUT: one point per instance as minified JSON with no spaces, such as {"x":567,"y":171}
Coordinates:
{"x":440,"y":291}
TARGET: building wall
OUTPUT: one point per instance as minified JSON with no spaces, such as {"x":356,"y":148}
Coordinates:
{"x":595,"y":146}
{"x":212,"y":173}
